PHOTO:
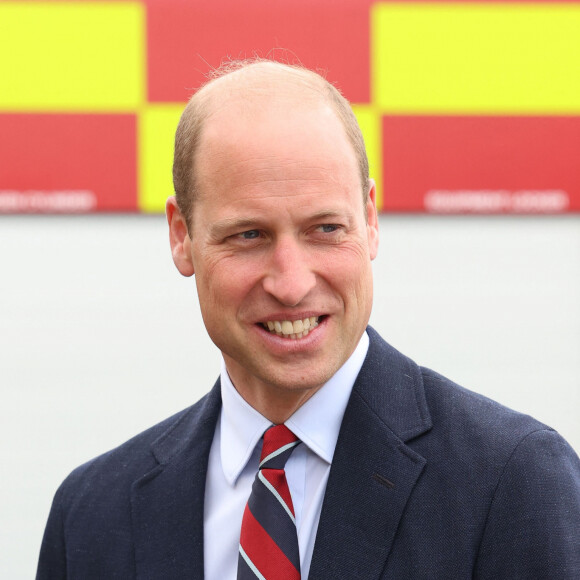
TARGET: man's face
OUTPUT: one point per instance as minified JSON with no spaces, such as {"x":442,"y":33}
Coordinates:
{"x":281,"y":244}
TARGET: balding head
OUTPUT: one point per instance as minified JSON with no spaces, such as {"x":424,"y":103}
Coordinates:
{"x":250,"y":81}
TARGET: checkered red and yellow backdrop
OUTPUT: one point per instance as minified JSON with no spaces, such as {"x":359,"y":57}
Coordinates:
{"x":466,"y":107}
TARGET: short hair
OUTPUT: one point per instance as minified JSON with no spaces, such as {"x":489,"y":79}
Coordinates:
{"x":199,"y":108}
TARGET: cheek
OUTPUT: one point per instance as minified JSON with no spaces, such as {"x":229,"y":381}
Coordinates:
{"x":350,"y":273}
{"x":225,"y":279}
{"x":348,"y":262}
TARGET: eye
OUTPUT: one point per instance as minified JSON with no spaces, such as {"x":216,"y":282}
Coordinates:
{"x":250,"y":235}
{"x":328,"y":228}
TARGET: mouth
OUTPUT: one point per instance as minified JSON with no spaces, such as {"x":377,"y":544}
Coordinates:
{"x":292,"y":329}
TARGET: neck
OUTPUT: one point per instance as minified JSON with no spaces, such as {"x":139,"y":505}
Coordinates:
{"x":277,"y":409}
{"x":274,"y":402}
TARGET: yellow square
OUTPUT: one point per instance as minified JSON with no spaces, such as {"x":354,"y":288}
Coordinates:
{"x":72,"y":56}
{"x":370,"y":124}
{"x":157,"y":124}
{"x":476,"y":57}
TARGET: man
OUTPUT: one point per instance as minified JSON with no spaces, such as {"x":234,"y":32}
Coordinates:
{"x":394,"y":472}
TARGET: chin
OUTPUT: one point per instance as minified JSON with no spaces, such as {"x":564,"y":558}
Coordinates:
{"x":298,"y":381}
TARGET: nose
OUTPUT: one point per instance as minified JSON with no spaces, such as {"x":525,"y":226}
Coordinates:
{"x":289,"y":276}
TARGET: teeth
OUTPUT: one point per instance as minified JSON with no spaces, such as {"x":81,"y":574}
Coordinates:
{"x":292,"y":330}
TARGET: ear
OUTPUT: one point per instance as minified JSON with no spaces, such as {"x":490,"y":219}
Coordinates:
{"x":372,"y":221}
{"x":179,"y":238}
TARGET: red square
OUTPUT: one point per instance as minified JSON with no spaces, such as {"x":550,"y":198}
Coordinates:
{"x":68,"y":157}
{"x":512,"y":164}
{"x":186,"y":39}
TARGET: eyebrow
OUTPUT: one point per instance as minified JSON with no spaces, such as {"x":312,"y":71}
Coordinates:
{"x":226,"y":224}
{"x":329,"y":213}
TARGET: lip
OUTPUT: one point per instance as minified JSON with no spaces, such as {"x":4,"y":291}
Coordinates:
{"x":283,"y":327}
{"x":281,"y":346}
{"x":280,"y":316}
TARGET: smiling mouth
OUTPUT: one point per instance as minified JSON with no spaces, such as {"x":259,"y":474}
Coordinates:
{"x":292,"y":328}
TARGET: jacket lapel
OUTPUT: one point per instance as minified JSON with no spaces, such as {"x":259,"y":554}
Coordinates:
{"x":167,"y":503}
{"x":373,"y":472}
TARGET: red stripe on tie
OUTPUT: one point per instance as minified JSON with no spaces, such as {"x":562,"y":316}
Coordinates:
{"x":278,"y":480}
{"x":279,"y":437}
{"x":264,"y":552}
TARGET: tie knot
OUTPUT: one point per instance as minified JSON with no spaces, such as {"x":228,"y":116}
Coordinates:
{"x":279,"y":442}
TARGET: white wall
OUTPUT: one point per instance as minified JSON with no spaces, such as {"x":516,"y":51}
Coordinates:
{"x":100,"y":337}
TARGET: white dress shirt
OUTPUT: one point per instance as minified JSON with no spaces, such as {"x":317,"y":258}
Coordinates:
{"x":235,"y":454}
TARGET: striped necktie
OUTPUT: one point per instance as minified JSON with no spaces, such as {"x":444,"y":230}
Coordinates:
{"x":268,"y":540}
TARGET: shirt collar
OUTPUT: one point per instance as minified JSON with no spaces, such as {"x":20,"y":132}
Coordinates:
{"x":316,"y":423}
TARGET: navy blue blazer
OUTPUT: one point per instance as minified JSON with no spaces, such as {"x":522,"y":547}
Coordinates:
{"x":428,"y":481}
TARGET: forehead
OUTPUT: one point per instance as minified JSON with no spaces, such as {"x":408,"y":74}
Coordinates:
{"x":260,"y":137}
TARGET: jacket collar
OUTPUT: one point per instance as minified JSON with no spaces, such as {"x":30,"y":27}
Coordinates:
{"x":167,"y":502}
{"x":373,"y":472}
{"x":392,"y":385}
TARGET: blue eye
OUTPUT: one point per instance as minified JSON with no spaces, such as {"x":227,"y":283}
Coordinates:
{"x":328,"y":228}
{"x":250,"y":235}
